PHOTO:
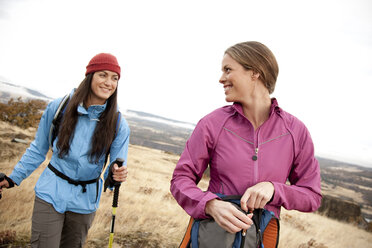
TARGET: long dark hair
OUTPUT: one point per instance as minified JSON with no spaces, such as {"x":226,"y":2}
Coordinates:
{"x":104,"y":131}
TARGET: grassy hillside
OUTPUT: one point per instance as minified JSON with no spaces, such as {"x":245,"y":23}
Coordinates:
{"x":147,"y":215}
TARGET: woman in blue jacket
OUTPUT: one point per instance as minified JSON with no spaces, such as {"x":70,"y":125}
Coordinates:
{"x":69,"y":189}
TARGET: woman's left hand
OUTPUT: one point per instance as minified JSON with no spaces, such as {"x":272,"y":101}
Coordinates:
{"x":257,"y":196}
{"x":119,"y":174}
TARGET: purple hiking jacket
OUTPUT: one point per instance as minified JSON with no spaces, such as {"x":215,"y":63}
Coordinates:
{"x":280,"y":149}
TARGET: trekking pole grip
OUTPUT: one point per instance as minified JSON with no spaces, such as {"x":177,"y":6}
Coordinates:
{"x":119,"y":162}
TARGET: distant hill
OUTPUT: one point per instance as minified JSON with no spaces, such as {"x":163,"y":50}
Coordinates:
{"x":155,"y":118}
{"x":157,"y":132}
{"x":8,"y":90}
{"x":348,"y":182}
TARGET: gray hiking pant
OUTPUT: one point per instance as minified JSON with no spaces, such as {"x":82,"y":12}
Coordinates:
{"x":51,"y":229}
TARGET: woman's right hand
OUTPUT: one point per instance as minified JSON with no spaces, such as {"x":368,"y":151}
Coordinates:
{"x":4,"y":183}
{"x":228,"y":216}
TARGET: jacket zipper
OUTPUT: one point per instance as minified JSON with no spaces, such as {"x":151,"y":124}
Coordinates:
{"x":255,"y":156}
{"x":255,"y":163}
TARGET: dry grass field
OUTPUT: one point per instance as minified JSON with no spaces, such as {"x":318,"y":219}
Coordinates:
{"x":147,"y":215}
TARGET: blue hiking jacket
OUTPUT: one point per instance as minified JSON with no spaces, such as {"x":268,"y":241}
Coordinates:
{"x":55,"y":190}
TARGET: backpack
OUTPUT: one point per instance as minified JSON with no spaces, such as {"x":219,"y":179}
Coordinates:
{"x":204,"y":233}
{"x":57,"y":119}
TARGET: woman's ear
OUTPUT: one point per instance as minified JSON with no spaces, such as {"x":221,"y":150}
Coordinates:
{"x":255,"y":75}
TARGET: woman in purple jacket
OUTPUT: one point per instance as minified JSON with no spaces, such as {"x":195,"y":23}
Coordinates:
{"x":252,"y":147}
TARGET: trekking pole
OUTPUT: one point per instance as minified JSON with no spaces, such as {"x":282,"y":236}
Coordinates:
{"x":119,"y":162}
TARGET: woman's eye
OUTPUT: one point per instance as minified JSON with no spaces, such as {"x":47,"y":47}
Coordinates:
{"x":227,"y":70}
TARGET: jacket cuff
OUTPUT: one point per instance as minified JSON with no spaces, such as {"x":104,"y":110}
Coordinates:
{"x":275,"y":199}
{"x":17,"y":181}
{"x":208,"y":196}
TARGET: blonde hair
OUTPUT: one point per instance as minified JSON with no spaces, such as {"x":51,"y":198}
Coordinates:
{"x":253,"y":55}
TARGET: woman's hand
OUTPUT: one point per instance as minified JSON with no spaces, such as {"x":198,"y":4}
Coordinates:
{"x":257,"y":196}
{"x":119,"y":174}
{"x":228,"y":216}
{"x":4,"y":184}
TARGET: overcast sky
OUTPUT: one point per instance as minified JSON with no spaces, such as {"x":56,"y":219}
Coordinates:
{"x":171,"y":51}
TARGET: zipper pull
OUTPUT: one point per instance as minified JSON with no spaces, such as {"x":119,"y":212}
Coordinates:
{"x":254,"y":157}
{"x":243,"y":238}
{"x":244,"y":233}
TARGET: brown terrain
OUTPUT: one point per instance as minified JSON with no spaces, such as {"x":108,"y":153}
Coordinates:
{"x":148,"y":216}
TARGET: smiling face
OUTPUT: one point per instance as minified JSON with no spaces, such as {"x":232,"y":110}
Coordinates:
{"x":237,"y":81}
{"x":104,"y":84}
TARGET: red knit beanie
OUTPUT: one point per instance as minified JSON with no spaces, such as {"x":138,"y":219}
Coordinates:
{"x":103,"y":61}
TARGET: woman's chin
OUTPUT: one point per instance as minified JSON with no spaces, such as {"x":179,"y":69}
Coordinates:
{"x":229,"y":99}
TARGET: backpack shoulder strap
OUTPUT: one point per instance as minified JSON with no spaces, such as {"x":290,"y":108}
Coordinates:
{"x":271,"y":234}
{"x":54,"y":127}
{"x":186,"y":241}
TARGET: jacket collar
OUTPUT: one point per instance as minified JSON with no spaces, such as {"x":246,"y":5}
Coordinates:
{"x":93,"y":111}
{"x":274,"y":106}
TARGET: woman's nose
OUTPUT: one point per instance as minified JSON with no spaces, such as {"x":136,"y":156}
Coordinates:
{"x":222,"y":79}
{"x":109,"y":81}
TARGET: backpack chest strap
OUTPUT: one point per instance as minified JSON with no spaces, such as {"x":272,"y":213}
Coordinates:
{"x":72,"y":181}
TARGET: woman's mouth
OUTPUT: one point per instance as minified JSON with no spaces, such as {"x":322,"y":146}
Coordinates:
{"x":227,"y":87}
{"x":106,"y":90}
